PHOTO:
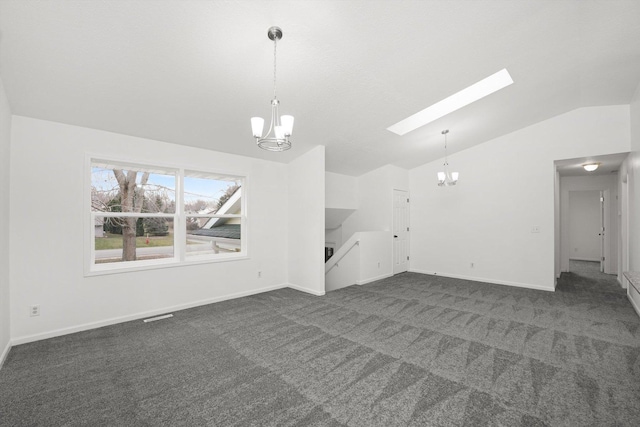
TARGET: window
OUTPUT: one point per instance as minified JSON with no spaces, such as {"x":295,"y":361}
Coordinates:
{"x":143,"y":216}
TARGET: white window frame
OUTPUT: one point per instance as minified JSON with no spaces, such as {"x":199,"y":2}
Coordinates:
{"x":180,"y":257}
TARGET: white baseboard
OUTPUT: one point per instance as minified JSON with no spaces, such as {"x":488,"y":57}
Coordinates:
{"x":4,"y":354}
{"x":633,"y":303}
{"x":115,"y":320}
{"x":303,"y":289}
{"x":481,"y":279}
{"x":621,"y":283}
{"x":586,"y":259}
{"x":373,"y":279}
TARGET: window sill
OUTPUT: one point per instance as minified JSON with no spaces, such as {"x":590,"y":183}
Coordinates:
{"x":160,"y":265}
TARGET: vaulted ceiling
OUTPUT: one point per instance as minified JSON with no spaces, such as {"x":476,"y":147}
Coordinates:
{"x":194,"y":72}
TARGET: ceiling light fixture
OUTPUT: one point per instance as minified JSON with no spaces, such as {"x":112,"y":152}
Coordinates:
{"x":446,"y":178}
{"x":590,"y":167}
{"x":280,"y":129}
{"x":476,"y":91}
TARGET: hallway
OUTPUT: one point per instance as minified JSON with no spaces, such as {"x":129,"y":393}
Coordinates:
{"x":585,"y":276}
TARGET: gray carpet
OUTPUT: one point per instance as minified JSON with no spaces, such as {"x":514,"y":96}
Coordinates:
{"x":412,"y":350}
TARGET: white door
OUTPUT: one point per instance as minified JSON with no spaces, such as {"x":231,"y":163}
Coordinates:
{"x":400,"y":231}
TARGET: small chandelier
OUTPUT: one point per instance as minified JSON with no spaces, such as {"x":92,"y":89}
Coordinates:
{"x":446,"y":178}
{"x":277,"y":137}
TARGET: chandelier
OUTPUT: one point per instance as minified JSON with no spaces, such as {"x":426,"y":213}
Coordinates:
{"x":446,"y":178}
{"x":277,"y":137}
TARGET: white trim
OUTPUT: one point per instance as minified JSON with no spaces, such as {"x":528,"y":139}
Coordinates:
{"x":621,"y":282}
{"x":115,"y":320}
{"x":153,"y":319}
{"x":481,"y":279}
{"x":133,"y":214}
{"x":373,"y":279}
{"x":5,"y":353}
{"x":303,"y":289}
{"x":168,"y":263}
{"x":633,"y":303}
{"x":584,"y":259}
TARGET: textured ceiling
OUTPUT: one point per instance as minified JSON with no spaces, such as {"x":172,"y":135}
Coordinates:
{"x":194,"y":72}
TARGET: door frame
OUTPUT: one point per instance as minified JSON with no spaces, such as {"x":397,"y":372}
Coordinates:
{"x":565,"y":248}
{"x":623,"y":225}
{"x":604,"y":233}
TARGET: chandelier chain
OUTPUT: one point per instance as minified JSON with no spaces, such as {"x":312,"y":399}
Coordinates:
{"x":446,"y":159}
{"x":275,"y":44}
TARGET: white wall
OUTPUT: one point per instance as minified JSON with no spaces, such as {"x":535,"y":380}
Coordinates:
{"x":5,"y":138}
{"x":47,"y":233}
{"x":306,"y":222}
{"x":375,"y":200}
{"x":623,"y":219}
{"x":634,"y":184}
{"x":575,"y":186}
{"x":341,"y":198}
{"x":506,"y":187}
{"x":556,"y":223}
{"x":376,"y":254}
{"x":341,"y":191}
{"x":584,"y":225}
{"x":365,"y":258}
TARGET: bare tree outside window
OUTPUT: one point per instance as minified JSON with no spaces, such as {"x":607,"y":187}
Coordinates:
{"x":133,"y":191}
{"x":132,"y":199}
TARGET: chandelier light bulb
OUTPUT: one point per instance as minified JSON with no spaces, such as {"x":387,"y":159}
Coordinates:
{"x":287,"y":124}
{"x":257,"y":125}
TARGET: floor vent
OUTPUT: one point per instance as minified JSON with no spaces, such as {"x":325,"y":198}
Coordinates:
{"x":153,"y":319}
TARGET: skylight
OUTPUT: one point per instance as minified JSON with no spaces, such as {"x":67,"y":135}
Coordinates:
{"x":466,"y":96}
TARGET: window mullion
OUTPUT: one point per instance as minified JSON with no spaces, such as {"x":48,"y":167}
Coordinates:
{"x":214,"y":216}
{"x":179,"y":224}
{"x":92,"y":237}
{"x":133,"y":214}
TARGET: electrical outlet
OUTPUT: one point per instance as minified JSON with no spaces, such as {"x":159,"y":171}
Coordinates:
{"x":34,"y":310}
{"x":259,"y":274}
{"x":535,"y":229}
{"x":378,"y":264}
{"x":472,"y":265}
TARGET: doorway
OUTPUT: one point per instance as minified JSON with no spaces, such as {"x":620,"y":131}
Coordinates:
{"x":585,"y":221}
{"x":606,"y":215}
{"x":400,"y":231}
